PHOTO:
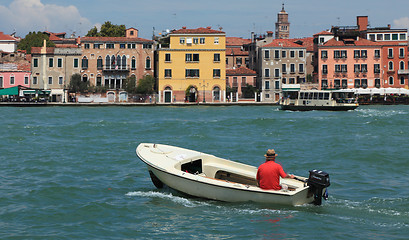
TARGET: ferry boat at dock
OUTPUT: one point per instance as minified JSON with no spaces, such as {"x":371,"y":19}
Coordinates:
{"x":295,"y":99}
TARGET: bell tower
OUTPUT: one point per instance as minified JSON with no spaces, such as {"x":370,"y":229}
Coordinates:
{"x":282,"y":25}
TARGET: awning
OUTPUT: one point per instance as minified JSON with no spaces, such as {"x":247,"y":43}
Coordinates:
{"x":9,"y":91}
{"x":36,"y":91}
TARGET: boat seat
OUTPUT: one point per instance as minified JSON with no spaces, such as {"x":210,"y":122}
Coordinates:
{"x":223,"y":172}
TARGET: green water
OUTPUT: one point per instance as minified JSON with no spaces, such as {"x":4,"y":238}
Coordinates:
{"x":72,"y":172}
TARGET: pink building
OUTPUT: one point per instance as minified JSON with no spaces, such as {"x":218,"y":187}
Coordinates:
{"x":349,"y":63}
{"x":237,"y":79}
{"x":12,"y":75}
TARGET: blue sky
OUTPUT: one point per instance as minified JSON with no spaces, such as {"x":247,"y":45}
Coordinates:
{"x":238,"y":18}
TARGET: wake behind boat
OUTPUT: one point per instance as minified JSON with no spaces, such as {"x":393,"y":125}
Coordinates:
{"x":207,"y":176}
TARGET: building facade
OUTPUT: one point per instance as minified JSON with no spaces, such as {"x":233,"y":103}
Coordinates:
{"x":8,"y":43}
{"x":237,"y":80}
{"x":282,"y":62}
{"x":236,"y":56}
{"x":193,"y":67}
{"x":12,"y":75}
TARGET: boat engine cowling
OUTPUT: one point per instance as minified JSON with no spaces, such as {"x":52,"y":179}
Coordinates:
{"x":318,"y":181}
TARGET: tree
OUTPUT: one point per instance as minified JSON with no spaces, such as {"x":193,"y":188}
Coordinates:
{"x":145,"y":85}
{"x":108,"y":30}
{"x":77,"y":85}
{"x":130,"y":84}
{"x":34,"y":39}
{"x":248,"y":91}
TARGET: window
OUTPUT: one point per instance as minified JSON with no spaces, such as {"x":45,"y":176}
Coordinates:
{"x":109,"y":46}
{"x":364,"y":68}
{"x":267,"y":72}
{"x":131,"y":45}
{"x":192,"y":57}
{"x":195,"y":40}
{"x":202,"y":40}
{"x":337,"y":83}
{"x":12,"y":80}
{"x":182,"y":40}
{"x":267,"y":54}
{"x":276,"y":54}
{"x":238,"y":60}
{"x":402,"y":65}
{"x":216,"y":40}
{"x":292,"y":68}
{"x":377,"y":68}
{"x":133,"y":63}
{"x":344,"y":68}
{"x":372,"y":37}
{"x":122,"y":45}
{"x":401,"y":52}
{"x":283,"y":54}
{"x":402,"y":80}
{"x":291,"y":80}
{"x":216,"y":57}
{"x":402,"y":36}
{"x":99,"y":80}
{"x":387,"y":37}
{"x":99,"y":63}
{"x":243,"y":81}
{"x":84,"y":78}
{"x":292,"y":54}
{"x":148,"y":63}
{"x":50,"y":80}
{"x":364,"y":53}
{"x":337,"y":68}
{"x":192,"y":73}
{"x":379,"y":37}
{"x":216,"y":73}
{"x":344,"y":83}
{"x":277,"y":84}
{"x":337,"y":54}
{"x":301,"y":68}
{"x":324,"y":54}
{"x":301,"y":54}
{"x":284,"y":68}
{"x":377,"y":53}
{"x":390,"y":80}
{"x":390,"y":66}
{"x":76,"y":62}
{"x":324,"y":69}
{"x":394,"y":36}
{"x":1,"y":81}
{"x":284,"y":80}
{"x":84,"y":64}
{"x":35,"y":62}
{"x":146,"y":46}
{"x":267,"y":85}
{"x":26,"y":80}
{"x":324,"y":83}
{"x":35,"y":80}
{"x":357,"y":68}
{"x":51,"y":62}
{"x":97,"y":45}
{"x":60,"y":80}
{"x":86,"y":45}
{"x":377,"y":82}
{"x":168,"y":73}
{"x":364,"y":83}
{"x":277,"y":72}
{"x":234,"y":84}
{"x":357,"y":83}
{"x":390,"y":52}
{"x":167,"y":57}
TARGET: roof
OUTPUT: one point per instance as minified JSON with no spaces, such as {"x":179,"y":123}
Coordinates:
{"x":323,"y":33}
{"x":113,"y":39}
{"x":351,"y":42}
{"x":241,"y":71}
{"x":306,"y":42}
{"x":236,"y":41}
{"x":201,"y":30}
{"x":5,"y":37}
{"x":49,"y":50}
{"x":288,"y":43}
{"x":236,"y":52}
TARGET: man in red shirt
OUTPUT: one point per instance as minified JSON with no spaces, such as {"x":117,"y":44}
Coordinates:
{"x":269,"y":173}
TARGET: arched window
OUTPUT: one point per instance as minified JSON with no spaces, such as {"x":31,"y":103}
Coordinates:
{"x":148,"y":63}
{"x":123,"y":62}
{"x":118,"y":62}
{"x":99,"y":63}
{"x":84,"y":78}
{"x":133,"y":63}
{"x":113,"y":62}
{"x":390,"y":80}
{"x":84,"y":63}
{"x":107,"y":62}
{"x":390,"y":66}
{"x":402,"y":65}
{"x":216,"y":93}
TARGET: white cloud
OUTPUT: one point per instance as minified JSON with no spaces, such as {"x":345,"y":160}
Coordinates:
{"x":401,"y":22}
{"x":24,"y":16}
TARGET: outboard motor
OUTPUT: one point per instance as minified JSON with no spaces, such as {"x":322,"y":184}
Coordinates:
{"x":318,"y":181}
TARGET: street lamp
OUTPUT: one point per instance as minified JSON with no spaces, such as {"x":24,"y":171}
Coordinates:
{"x":204,"y":88}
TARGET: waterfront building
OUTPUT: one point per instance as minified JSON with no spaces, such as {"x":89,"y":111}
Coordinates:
{"x":237,"y":80}
{"x":15,"y":74}
{"x":236,"y":56}
{"x":52,"y":68}
{"x":282,"y":25}
{"x":109,"y":61}
{"x":349,"y":63}
{"x":192,"y":66}
{"x":282,"y":62}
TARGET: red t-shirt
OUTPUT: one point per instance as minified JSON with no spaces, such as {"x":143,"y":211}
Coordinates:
{"x":268,"y":175}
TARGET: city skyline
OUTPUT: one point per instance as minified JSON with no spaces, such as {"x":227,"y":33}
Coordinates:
{"x":236,"y":18}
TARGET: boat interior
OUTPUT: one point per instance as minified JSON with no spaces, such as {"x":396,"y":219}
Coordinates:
{"x":221,"y":169}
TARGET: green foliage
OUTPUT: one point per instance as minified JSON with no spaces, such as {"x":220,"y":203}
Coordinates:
{"x":108,"y":30}
{"x":187,"y":91}
{"x":77,"y":85}
{"x":129,"y":85}
{"x":248,"y":91}
{"x":309,"y":78}
{"x":146,"y":84}
{"x":34,"y":39}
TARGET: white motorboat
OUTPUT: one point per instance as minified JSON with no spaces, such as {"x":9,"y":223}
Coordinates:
{"x":207,"y":176}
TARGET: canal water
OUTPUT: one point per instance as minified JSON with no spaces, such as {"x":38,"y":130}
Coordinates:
{"x":72,"y":172}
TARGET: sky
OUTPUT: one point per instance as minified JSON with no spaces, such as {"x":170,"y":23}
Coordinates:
{"x":238,"y":18}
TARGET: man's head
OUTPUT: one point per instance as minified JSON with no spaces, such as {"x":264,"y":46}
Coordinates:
{"x":270,"y":155}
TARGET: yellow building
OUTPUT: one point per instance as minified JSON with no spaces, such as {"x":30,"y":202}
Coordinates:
{"x":193,"y":68}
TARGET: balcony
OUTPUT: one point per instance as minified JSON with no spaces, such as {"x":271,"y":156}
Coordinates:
{"x":114,"y":68}
{"x":405,"y":71}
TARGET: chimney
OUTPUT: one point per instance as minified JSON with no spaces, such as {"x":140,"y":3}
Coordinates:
{"x":389,"y":26}
{"x":183,"y":27}
{"x":362,"y":22}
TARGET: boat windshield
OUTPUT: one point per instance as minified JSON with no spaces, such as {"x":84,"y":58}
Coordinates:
{"x":343,"y":97}
{"x":291,"y":94}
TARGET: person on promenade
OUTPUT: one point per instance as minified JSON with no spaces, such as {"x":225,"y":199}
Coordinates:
{"x":269,"y":173}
